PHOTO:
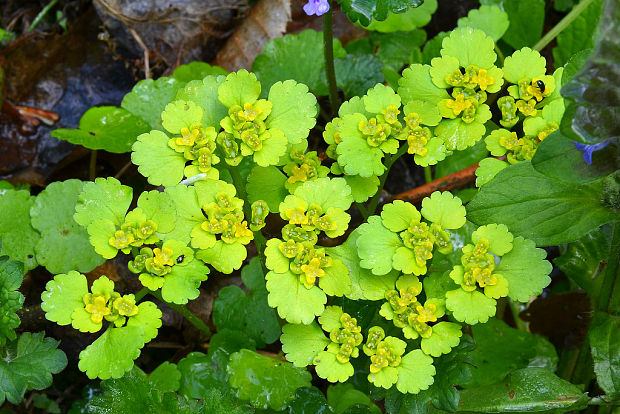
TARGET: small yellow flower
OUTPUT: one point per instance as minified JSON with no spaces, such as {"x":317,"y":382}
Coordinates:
{"x":426,"y":313}
{"x":527,"y":108}
{"x":126,"y":306}
{"x":296,"y":215}
{"x":459,"y":104}
{"x":483,"y":79}
{"x":163,"y":256}
{"x":96,"y":307}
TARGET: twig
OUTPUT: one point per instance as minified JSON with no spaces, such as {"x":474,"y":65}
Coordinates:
{"x":147,"y":64}
{"x":123,"y":170}
{"x":449,"y":182}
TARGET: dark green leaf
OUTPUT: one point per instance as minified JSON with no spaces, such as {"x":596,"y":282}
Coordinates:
{"x":432,"y":48}
{"x":298,"y":57}
{"x":452,"y":369}
{"x":396,"y":49}
{"x":200,"y":373}
{"x":527,"y":389}
{"x":267,"y":183}
{"x":564,"y":5}
{"x":342,"y":396}
{"x":28,"y":363}
{"x":526,"y":22}
{"x":355,"y":74}
{"x":266,"y":382}
{"x":230,"y":341}
{"x":593,"y":96}
{"x":557,"y":157}
{"x":365,"y":11}
{"x":165,"y":377}
{"x":251,"y":313}
{"x":578,"y":35}
{"x":45,"y":403}
{"x":584,"y":261}
{"x":105,"y":127}
{"x":604,"y":338}
{"x":309,"y":401}
{"x":11,"y":300}
{"x":540,"y":208}
{"x":574,"y":64}
{"x":501,"y":349}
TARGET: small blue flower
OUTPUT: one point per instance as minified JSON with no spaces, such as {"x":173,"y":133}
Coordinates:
{"x":589,"y":149}
{"x":317,"y":7}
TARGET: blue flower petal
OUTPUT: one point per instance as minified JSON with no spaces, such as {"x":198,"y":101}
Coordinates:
{"x":589,"y":149}
{"x":318,"y":7}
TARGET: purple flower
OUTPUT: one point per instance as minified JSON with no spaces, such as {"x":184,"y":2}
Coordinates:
{"x":317,"y":7}
{"x":589,"y":149}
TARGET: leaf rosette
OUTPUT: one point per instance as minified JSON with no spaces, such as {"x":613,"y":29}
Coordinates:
{"x":68,"y":301}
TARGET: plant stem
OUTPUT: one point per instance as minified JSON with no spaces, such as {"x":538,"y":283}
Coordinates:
{"x":428,"y":174}
{"x":389,"y":161}
{"x":500,"y":55}
{"x":142,"y":293}
{"x":259,"y":239}
{"x":328,"y":49}
{"x":92,"y":167}
{"x":611,"y":272}
{"x":41,"y":15}
{"x":361,"y":209}
{"x":183,"y":311}
{"x":514,"y":308}
{"x":562,"y":24}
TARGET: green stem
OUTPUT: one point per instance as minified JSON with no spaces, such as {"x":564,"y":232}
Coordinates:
{"x":514,"y":308}
{"x":142,"y":293}
{"x":500,"y":55}
{"x":259,"y":239}
{"x":92,"y":167}
{"x":41,"y":15}
{"x":428,"y":174}
{"x":562,"y":24}
{"x":389,"y":161}
{"x":611,"y":272}
{"x":183,"y":311}
{"x":328,"y":49}
{"x":361,"y":209}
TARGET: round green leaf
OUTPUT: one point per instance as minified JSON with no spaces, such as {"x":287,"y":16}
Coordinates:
{"x":104,"y":199}
{"x":294,"y":301}
{"x":18,"y":236}
{"x":112,"y":354}
{"x":294,"y":110}
{"x":159,"y":163}
{"x":302,"y":343}
{"x":62,"y":296}
{"x":415,"y":372}
{"x":470,"y":307}
{"x":444,"y":209}
{"x":445,"y":336}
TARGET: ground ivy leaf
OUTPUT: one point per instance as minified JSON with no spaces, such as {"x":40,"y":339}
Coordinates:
{"x":159,"y":163}
{"x":113,"y":353}
{"x":526,"y":270}
{"x":11,"y":276}
{"x":446,"y":335}
{"x":604,"y":338}
{"x":490,"y":19}
{"x":266,"y":382}
{"x":62,"y":296}
{"x":554,"y":203}
{"x":181,"y":284}
{"x":251,"y":313}
{"x":309,"y":401}
{"x":411,"y":19}
{"x":61,"y":237}
{"x":298,"y":57}
{"x":28,"y":363}
{"x":148,"y":319}
{"x":470,"y":307}
{"x":203,"y":93}
{"x":367,"y":11}
{"x":196,"y":71}
{"x":267,"y":183}
{"x":526,"y":22}
{"x":329,"y":368}
{"x":105,"y":128}
{"x":501,"y":349}
{"x":294,"y":110}
{"x":103,"y":199}
{"x":149,"y":97}
{"x":415,"y":372}
{"x":364,"y":285}
{"x":18,"y":236}
{"x":579,"y":35}
{"x":294,"y":301}
{"x":302,"y":343}
{"x":515,"y":393}
{"x":376,"y":246}
{"x":358,"y":73}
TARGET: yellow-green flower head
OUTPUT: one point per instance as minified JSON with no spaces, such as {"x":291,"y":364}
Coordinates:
{"x":126,"y":306}
{"x":375,"y":336}
{"x":121,"y":240}
{"x":96,"y":305}
{"x":146,"y":229}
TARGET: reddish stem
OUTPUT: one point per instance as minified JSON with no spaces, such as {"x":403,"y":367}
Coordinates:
{"x":449,"y":182}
